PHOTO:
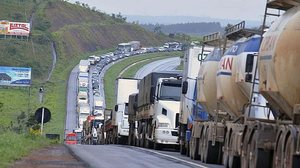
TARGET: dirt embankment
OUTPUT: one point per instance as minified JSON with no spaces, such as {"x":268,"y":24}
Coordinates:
{"x":57,"y":156}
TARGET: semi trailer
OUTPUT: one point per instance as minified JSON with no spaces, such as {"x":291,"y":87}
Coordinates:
{"x":157,"y":110}
{"x":117,"y":128}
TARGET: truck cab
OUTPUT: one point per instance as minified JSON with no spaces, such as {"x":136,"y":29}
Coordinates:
{"x":166,"y":111}
{"x":122,"y":119}
{"x":71,"y":139}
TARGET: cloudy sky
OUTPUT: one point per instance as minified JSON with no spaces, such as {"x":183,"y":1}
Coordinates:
{"x":223,"y":9}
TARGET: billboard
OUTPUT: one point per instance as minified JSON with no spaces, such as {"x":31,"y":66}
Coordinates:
{"x":4,"y":25}
{"x":14,"y":28}
{"x":15,"y":76}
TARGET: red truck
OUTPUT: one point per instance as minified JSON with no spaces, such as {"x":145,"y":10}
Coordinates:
{"x":71,"y":139}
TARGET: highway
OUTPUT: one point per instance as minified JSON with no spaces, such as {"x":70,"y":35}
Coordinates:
{"x":160,"y":65}
{"x":123,"y":156}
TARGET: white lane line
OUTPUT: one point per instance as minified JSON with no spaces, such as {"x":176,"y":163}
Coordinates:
{"x":172,"y":157}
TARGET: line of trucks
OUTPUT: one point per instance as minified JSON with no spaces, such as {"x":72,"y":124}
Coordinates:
{"x":237,"y":102}
{"x":89,"y":120}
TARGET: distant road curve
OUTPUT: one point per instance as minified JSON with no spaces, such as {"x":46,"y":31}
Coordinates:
{"x":160,"y":65}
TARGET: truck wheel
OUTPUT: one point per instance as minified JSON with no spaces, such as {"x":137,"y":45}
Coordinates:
{"x":212,"y":153}
{"x":288,"y":153}
{"x":182,"y":149}
{"x":194,"y":147}
{"x":258,"y":158}
{"x":233,"y":161}
{"x":157,"y":146}
{"x":188,"y":149}
{"x":278,"y":153}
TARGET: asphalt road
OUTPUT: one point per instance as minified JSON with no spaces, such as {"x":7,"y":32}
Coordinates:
{"x":72,"y":116}
{"x":114,"y":156}
{"x":118,"y":156}
{"x":160,"y":65}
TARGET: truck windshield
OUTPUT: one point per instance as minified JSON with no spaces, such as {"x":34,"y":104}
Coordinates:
{"x":124,"y":47}
{"x":71,"y":138}
{"x":170,"y":91}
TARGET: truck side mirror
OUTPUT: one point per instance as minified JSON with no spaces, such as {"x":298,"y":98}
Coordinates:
{"x":200,"y":57}
{"x":116,"y":107}
{"x":184,"y":87}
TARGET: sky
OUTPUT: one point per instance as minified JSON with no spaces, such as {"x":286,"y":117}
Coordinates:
{"x":223,"y":9}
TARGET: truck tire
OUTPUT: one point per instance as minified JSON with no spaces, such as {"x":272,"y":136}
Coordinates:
{"x":212,"y":155}
{"x":182,"y":149}
{"x":259,"y":158}
{"x":278,"y":153}
{"x":157,"y":146}
{"x":288,"y":153}
{"x":195,"y":149}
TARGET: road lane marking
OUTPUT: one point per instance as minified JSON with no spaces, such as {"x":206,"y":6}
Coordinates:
{"x":172,"y":157}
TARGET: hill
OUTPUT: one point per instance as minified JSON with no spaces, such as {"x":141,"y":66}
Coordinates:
{"x":76,"y":32}
{"x":80,"y":29}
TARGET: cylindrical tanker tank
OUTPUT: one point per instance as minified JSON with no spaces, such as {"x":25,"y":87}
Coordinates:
{"x":206,"y":81}
{"x":279,"y":58}
{"x":235,"y":74}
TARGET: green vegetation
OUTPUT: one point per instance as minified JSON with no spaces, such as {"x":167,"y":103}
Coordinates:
{"x":77,"y":31}
{"x":180,"y":67}
{"x":113,"y":72}
{"x":13,"y":146}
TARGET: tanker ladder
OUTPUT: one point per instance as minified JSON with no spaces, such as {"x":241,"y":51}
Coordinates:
{"x":235,"y":128}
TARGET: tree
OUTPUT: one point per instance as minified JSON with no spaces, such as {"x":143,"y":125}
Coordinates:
{"x":157,"y":29}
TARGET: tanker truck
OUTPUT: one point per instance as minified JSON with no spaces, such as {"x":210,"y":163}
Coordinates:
{"x":224,"y":85}
{"x":190,"y":111}
{"x":277,"y":144}
{"x":118,"y":127}
{"x":157,"y":110}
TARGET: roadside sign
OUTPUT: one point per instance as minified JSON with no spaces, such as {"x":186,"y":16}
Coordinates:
{"x":39,"y":115}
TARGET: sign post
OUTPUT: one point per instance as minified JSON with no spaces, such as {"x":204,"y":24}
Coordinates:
{"x":42,"y":115}
{"x":42,"y":120}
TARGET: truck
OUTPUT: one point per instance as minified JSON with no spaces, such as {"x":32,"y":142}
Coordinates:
{"x":71,"y":139}
{"x":117,"y":127}
{"x":92,"y":60}
{"x":157,"y":110}
{"x":190,"y":111}
{"x":83,"y":80}
{"x":92,"y":130}
{"x":84,"y":66}
{"x":132,"y":108}
{"x":135,"y":45}
{"x":98,"y":109}
{"x":123,"y":48}
{"x":82,"y":97}
{"x":83,"y":110}
{"x":275,"y":143}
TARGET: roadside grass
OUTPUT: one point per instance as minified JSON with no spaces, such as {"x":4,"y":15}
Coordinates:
{"x":13,"y":146}
{"x":113,"y":72}
{"x":180,"y":67}
{"x":16,"y":100}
